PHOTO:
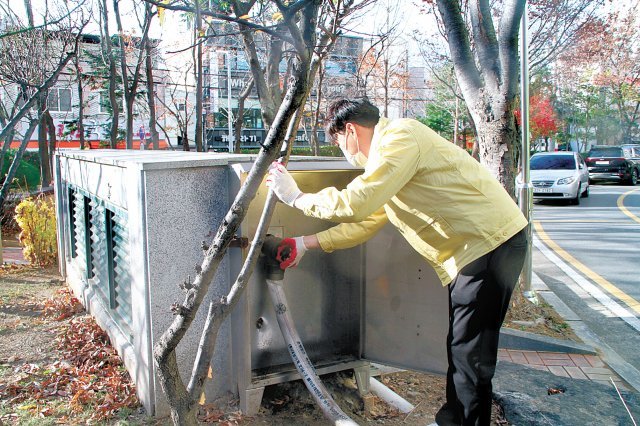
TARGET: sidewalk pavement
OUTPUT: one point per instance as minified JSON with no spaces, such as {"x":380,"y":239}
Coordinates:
{"x":544,"y":383}
{"x":577,"y":366}
{"x":12,"y":255}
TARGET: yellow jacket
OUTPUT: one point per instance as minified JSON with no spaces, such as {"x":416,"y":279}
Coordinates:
{"x":447,"y":206}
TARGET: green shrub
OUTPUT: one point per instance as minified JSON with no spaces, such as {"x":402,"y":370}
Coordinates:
{"x":36,"y":218}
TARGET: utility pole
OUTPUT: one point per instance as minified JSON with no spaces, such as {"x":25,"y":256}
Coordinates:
{"x":526,"y":189}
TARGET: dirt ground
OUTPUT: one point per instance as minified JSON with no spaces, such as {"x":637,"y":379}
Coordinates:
{"x":30,"y":353}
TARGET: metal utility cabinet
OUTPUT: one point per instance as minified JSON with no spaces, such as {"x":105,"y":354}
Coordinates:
{"x":130,"y":229}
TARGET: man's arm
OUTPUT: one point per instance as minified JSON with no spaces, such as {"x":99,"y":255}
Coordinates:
{"x":347,"y":235}
{"x":390,"y":167}
{"x":342,"y":236}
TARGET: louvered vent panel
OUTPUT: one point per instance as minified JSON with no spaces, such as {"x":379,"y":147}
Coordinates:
{"x":79,"y":229}
{"x":121,"y":267}
{"x":99,"y":251}
{"x":71,"y":218}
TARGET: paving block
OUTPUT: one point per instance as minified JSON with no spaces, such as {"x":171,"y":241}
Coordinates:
{"x":554,"y":355}
{"x":558,"y":371}
{"x":597,"y":370}
{"x":560,"y":362}
{"x":575,"y":372}
{"x":580,"y":360}
{"x":594,"y":360}
{"x":533,"y":358}
{"x":518,"y":357}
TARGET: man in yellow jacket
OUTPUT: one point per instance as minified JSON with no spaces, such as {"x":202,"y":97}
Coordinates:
{"x":449,"y":208}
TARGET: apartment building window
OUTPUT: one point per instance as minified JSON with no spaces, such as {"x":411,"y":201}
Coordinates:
{"x":59,"y":99}
{"x":252,"y":118}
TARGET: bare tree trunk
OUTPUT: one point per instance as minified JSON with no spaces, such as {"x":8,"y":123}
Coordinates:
{"x":185,"y":141}
{"x":198,"y":75}
{"x":128,"y":99}
{"x":239,"y":119}
{"x":5,"y":148}
{"x":80,"y":101}
{"x":43,"y":149}
{"x":51,"y":132}
{"x":7,"y":142}
{"x":151,"y":95}
{"x":488,"y":77}
{"x":313,"y":140}
{"x":16,"y":162}
{"x":113,"y":76}
{"x":498,"y":156}
{"x":130,"y":89}
{"x":182,"y":399}
{"x":29,"y":10}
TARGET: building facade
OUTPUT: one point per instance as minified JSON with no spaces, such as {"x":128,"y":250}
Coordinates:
{"x":228,"y":74}
{"x":63,"y":102}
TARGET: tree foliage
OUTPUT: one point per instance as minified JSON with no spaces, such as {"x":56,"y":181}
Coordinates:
{"x":598,"y":80}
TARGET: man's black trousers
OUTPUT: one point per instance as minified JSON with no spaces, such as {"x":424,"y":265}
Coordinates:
{"x":478,"y":302}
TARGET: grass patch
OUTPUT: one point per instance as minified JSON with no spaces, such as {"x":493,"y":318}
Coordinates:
{"x":28,"y":173}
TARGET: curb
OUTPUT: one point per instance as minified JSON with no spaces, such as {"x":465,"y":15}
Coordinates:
{"x":622,"y":368}
{"x":527,"y":341}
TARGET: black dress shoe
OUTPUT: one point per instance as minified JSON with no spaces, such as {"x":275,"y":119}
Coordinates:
{"x":448,"y":416}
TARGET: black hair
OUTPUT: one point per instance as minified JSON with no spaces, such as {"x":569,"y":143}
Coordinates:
{"x":359,"y":111}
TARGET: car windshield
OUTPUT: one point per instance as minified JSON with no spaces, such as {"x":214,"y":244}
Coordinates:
{"x":605,"y":152}
{"x":553,"y":162}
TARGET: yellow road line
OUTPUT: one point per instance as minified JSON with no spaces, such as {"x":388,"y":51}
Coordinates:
{"x":624,"y":209}
{"x":606,"y":285}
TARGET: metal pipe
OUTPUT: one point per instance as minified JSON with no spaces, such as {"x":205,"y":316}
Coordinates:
{"x":525,"y":189}
{"x":303,"y":364}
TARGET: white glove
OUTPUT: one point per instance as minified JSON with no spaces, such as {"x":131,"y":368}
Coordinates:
{"x":282,"y":184}
{"x":295,"y":248}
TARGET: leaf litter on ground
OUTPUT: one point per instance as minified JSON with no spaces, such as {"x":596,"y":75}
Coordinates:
{"x":88,"y":376}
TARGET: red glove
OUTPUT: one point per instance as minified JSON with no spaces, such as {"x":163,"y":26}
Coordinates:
{"x":290,"y":251}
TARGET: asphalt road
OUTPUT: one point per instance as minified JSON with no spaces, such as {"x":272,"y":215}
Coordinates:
{"x":589,"y":255}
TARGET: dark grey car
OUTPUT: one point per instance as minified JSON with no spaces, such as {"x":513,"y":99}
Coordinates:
{"x":609,"y":163}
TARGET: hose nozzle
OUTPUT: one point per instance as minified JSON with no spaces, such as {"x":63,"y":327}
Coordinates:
{"x":273,"y":253}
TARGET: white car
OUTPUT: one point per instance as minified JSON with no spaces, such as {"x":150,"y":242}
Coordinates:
{"x":559,"y":175}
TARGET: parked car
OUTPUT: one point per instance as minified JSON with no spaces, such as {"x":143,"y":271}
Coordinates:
{"x":632,"y":152}
{"x":559,"y":175}
{"x":609,"y":163}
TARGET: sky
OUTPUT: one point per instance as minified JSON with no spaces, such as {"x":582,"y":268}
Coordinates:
{"x":405,"y":12}
{"x":174,"y":33}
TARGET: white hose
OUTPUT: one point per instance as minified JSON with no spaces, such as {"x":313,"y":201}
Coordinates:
{"x":390,"y":397}
{"x":303,"y":364}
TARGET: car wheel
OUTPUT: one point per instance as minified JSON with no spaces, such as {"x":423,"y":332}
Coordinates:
{"x":633,"y":180}
{"x":576,"y":201}
{"x":585,"y":193}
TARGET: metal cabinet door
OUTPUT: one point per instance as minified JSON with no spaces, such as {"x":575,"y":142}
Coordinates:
{"x":406,"y":311}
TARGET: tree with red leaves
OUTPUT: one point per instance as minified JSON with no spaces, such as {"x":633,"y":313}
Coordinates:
{"x":543,"y":119}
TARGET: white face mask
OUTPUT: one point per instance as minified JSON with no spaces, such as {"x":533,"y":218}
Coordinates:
{"x":356,"y":160}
